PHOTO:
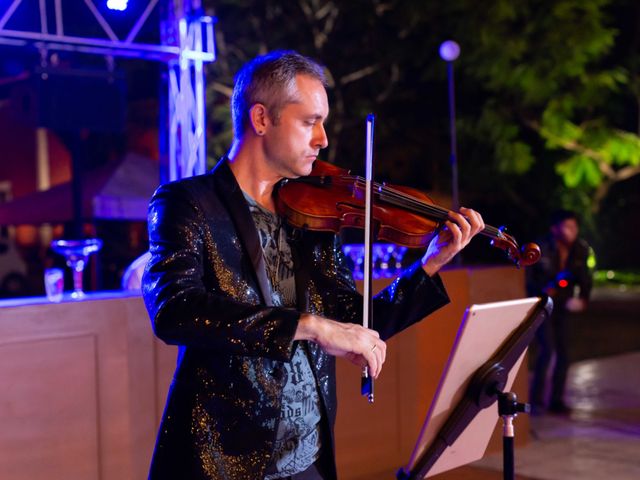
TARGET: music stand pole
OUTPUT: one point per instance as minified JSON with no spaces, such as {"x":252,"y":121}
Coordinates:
{"x":508,"y":409}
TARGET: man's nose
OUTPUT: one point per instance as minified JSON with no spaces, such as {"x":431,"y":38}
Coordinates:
{"x":320,"y":139}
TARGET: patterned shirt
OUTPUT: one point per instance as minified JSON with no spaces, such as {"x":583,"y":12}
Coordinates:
{"x":297,"y":444}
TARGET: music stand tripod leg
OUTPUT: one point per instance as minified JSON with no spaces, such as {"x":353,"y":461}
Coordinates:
{"x":508,"y":409}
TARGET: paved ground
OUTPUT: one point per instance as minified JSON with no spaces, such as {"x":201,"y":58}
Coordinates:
{"x":610,"y":326}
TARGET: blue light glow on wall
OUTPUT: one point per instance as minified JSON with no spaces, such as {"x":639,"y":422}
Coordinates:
{"x":387,"y":259}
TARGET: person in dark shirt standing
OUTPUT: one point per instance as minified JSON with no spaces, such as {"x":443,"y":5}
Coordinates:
{"x":562,"y":273}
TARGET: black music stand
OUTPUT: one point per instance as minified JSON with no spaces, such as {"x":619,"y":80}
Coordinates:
{"x":487,"y":352}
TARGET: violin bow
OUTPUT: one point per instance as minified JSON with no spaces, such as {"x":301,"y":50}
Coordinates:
{"x":366,"y":386}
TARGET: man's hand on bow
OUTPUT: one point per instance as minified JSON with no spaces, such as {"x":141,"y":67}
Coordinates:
{"x":361,"y":346}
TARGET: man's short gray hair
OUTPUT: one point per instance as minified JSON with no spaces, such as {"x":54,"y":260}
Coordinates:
{"x":270,"y":80}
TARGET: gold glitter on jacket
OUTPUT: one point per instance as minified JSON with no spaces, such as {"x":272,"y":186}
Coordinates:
{"x":206,"y":291}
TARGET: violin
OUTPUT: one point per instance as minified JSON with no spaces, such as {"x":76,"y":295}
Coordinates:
{"x":330,"y":199}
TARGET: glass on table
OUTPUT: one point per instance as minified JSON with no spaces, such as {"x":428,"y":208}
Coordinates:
{"x":76,"y":253}
{"x":54,"y":284}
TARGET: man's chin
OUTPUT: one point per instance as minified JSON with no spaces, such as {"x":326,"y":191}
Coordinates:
{"x":301,"y":171}
{"x":309,"y":166}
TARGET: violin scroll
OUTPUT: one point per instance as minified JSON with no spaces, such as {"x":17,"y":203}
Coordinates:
{"x":529,"y":254}
{"x":523,"y":256}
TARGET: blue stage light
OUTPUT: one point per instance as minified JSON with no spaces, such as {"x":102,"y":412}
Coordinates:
{"x":119,"y":5}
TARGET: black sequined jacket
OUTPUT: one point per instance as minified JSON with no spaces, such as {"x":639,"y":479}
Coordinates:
{"x":207,"y":291}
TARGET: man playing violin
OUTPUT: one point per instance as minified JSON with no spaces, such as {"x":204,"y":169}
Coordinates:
{"x":260,"y":311}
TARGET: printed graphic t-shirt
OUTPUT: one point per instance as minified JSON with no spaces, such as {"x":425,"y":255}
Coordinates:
{"x":298,"y":439}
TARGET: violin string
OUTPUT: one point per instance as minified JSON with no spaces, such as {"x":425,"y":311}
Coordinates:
{"x":402,"y":199}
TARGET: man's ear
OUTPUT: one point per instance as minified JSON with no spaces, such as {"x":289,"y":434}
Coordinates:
{"x":259,"y":118}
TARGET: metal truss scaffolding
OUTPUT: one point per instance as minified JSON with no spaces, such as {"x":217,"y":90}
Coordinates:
{"x":186,"y":43}
{"x":186,"y":104}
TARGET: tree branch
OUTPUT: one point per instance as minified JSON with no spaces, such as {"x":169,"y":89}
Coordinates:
{"x":393,"y":79}
{"x":573,"y":146}
{"x":221,"y":88}
{"x":358,"y":74}
{"x":626,"y":173}
{"x":315,"y":14}
{"x":223,"y":56}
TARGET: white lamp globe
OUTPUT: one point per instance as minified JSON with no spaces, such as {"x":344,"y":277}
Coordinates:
{"x":449,"y":50}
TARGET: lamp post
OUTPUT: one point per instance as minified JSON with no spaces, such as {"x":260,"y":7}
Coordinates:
{"x":449,"y":52}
